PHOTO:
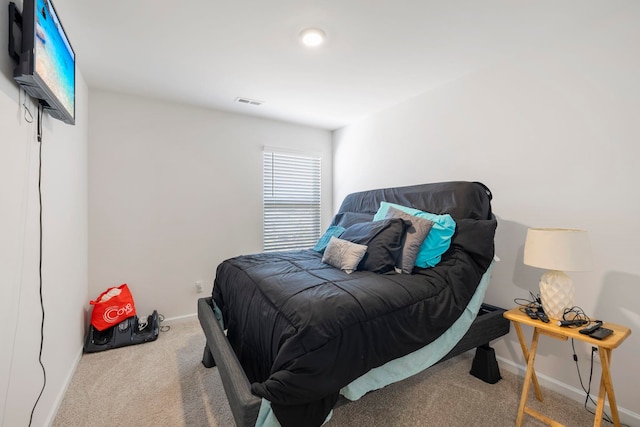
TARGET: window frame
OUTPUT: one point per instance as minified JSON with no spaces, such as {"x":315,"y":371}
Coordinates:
{"x":292,"y":210}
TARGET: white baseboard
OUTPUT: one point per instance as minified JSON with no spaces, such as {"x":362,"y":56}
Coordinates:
{"x":179,"y":319}
{"x":626,"y":417}
{"x":67,"y":382}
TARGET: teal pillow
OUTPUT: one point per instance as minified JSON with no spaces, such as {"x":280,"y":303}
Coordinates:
{"x":438,"y":240}
{"x":332,"y":231}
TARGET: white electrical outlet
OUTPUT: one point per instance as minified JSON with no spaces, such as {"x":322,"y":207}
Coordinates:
{"x":596,"y":357}
{"x":199,"y":286}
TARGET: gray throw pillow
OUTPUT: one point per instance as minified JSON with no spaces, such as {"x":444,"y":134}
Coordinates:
{"x":416,"y":233}
{"x":343,"y":254}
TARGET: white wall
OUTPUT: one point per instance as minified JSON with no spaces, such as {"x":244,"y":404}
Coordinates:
{"x":174,"y":190}
{"x":64,"y":258}
{"x":554,"y":133}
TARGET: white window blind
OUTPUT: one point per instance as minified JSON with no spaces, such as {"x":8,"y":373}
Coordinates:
{"x":291,"y":201}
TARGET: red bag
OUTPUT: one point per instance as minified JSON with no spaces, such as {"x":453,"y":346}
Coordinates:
{"x":112,"y":307}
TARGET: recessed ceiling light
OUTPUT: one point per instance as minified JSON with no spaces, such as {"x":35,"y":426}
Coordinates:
{"x":312,"y":37}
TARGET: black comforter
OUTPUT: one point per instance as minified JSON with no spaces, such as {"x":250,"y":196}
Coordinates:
{"x":302,"y":329}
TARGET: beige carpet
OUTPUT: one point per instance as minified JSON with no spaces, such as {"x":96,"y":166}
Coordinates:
{"x":163,"y":383}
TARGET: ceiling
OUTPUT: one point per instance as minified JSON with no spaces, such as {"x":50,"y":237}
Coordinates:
{"x":378,"y":52}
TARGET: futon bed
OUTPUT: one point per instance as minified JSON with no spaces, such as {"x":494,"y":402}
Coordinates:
{"x":302,"y":327}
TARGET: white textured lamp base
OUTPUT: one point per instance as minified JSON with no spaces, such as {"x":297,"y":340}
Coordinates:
{"x":556,"y":292}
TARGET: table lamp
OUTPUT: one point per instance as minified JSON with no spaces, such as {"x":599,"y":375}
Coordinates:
{"x":557,"y":250}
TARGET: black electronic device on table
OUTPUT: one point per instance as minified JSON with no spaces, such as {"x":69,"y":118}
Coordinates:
{"x":590,"y":329}
{"x":537,"y":314}
{"x":542,"y":316}
{"x":596,"y":331}
{"x":601,"y":333}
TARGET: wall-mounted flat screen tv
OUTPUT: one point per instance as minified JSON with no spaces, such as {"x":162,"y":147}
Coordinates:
{"x":46,"y":67}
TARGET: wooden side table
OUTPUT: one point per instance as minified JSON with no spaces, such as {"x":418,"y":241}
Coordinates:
{"x":605,"y":348}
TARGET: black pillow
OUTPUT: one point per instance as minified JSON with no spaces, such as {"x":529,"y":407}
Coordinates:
{"x":346,"y":219}
{"x":384,"y":242}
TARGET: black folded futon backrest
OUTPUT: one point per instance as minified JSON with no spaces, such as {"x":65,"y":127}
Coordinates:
{"x":460,"y":199}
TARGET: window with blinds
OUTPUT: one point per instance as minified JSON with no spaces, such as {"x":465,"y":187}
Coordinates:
{"x":291,"y":200}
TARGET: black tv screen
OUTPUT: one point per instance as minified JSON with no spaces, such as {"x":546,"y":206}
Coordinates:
{"x":46,"y":68}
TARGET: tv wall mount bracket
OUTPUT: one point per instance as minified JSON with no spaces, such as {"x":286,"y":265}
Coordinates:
{"x":15,"y":20}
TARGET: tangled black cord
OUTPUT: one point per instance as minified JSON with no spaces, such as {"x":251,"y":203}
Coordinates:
{"x":534,"y":302}
{"x":587,"y":390}
{"x":577,"y":316}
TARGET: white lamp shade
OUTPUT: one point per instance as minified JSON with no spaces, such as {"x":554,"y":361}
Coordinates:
{"x":558,"y":249}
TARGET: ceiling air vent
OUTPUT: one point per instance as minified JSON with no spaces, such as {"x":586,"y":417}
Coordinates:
{"x":249,"y":101}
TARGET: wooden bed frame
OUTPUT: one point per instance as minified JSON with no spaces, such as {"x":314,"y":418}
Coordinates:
{"x":488,"y":325}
